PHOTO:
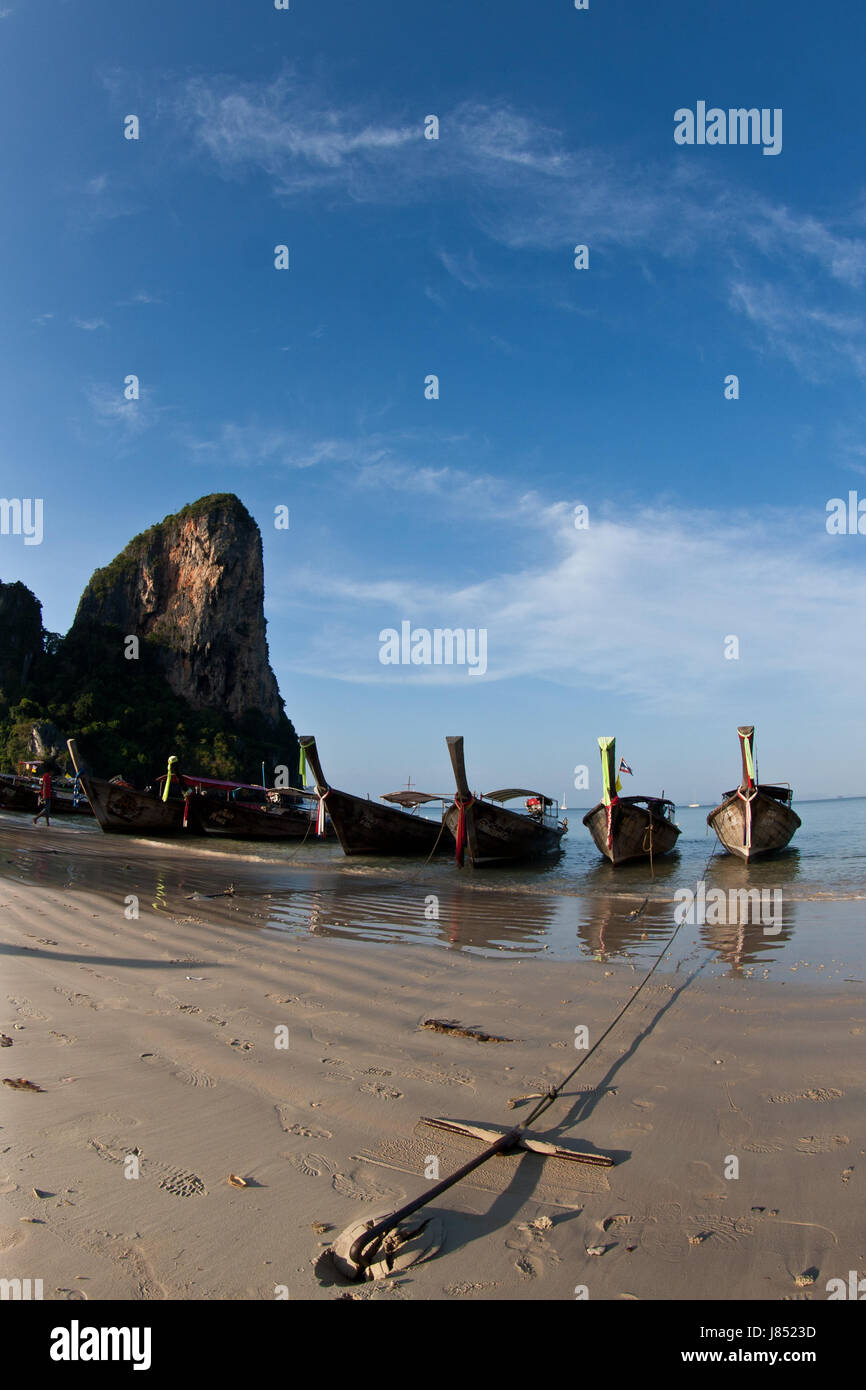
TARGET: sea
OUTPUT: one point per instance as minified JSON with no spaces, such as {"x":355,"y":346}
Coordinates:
{"x":806,"y":915}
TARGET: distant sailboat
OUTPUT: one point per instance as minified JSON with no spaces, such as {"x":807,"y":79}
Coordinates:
{"x":563,"y":806}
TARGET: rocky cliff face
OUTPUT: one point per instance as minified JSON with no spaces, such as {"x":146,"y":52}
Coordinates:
{"x":192,"y":587}
{"x":22,"y":637}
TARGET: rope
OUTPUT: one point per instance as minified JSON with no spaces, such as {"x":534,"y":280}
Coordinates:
{"x":438,"y":838}
{"x":547,"y":1100}
{"x":649,"y":831}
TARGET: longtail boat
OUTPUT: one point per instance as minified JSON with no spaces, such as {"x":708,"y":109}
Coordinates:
{"x":121,"y":810}
{"x":489,"y":832}
{"x":756,"y":817}
{"x":245,"y":812}
{"x":22,"y":794}
{"x":629,"y":827}
{"x":364,"y":827}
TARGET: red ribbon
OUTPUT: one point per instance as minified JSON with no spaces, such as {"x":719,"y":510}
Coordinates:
{"x":460,"y":837}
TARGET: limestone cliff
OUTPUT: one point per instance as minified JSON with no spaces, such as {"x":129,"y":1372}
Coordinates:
{"x":192,"y":587}
{"x":21,"y":637}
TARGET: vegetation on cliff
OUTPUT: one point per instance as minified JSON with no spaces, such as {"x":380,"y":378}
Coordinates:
{"x":128,"y":715}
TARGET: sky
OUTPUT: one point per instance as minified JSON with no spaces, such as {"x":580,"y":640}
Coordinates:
{"x":558,"y":387}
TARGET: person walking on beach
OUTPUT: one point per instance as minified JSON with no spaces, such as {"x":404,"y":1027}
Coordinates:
{"x":46,"y":789}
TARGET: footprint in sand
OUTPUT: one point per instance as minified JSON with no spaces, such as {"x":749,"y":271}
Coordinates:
{"x":295,"y":1127}
{"x":374,"y":1088}
{"x":530,"y":1242}
{"x":821,"y":1143}
{"x":75,"y":997}
{"x":360,"y":1192}
{"x":816,"y":1093}
{"x":764,"y":1146}
{"x":530,"y":1266}
{"x":190,"y":1076}
{"x":26,"y":1009}
{"x":337,"y":1070}
{"x":182,"y":1184}
{"x":617,"y":1224}
{"x":116,"y":1151}
{"x":311,"y":1165}
{"x":65,"y":1039}
{"x":241,"y":1045}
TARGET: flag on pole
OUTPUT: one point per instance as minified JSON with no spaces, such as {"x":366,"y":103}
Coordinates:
{"x":624,"y":767}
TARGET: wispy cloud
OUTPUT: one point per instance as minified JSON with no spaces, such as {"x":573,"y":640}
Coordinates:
{"x":142,"y":297}
{"x":546,"y":620}
{"x":111,"y":409}
{"x":528,"y":188}
{"x":90,"y":325}
{"x":812,"y":338}
{"x":464,"y":269}
{"x":254,"y":443}
{"x":290,"y":131}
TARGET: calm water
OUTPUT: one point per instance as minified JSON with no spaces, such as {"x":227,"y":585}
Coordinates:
{"x":577,"y":907}
{"x":827,"y":858}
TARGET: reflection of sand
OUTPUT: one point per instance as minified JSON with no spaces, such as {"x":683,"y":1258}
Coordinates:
{"x":155,"y":1038}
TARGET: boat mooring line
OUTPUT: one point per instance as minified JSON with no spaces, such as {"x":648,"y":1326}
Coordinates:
{"x":546,"y":1101}
{"x":350,"y":1251}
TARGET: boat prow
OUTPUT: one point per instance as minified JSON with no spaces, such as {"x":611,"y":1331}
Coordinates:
{"x":489,"y":832}
{"x":757,"y":817}
{"x":121,"y":810}
{"x":365,"y":827}
{"x":629,"y":827}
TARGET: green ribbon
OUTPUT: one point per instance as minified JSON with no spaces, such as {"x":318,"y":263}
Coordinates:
{"x":610,"y":782}
{"x":168,"y":776}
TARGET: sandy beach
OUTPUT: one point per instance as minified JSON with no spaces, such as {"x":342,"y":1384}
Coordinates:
{"x":156,"y":1043}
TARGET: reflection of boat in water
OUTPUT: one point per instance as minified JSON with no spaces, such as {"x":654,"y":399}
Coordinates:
{"x":364,"y":827}
{"x":491,"y":832}
{"x":756,"y":818}
{"x":629,"y":827}
{"x":743,"y":941}
{"x":613,"y":927}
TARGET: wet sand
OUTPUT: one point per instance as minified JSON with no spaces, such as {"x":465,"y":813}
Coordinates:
{"x":153,"y":1040}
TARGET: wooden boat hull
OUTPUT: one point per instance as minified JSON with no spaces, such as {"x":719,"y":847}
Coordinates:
{"x":243,"y":822}
{"x":495,"y":835}
{"x":26,"y":800}
{"x":16,"y":798}
{"x":365,"y":827}
{"x":123,"y":811}
{"x":773,"y":825}
{"x":635,"y":832}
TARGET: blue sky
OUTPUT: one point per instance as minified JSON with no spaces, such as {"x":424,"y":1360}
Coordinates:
{"x":557,"y":387}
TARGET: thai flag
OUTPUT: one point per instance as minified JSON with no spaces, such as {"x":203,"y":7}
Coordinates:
{"x":624,"y":767}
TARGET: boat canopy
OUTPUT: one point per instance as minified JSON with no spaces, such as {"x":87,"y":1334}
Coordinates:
{"x":407,"y":798}
{"x":509,"y":793}
{"x":216,"y":784}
